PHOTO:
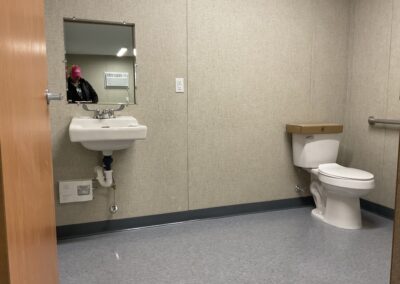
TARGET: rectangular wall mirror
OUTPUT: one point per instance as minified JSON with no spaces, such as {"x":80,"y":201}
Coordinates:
{"x":100,"y":60}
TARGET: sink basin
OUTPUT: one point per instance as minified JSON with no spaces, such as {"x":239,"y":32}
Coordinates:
{"x":106,"y":135}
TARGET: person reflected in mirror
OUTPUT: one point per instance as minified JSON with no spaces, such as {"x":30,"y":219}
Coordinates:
{"x":80,"y":90}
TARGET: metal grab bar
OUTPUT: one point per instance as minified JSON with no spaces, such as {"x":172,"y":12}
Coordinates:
{"x":372,"y":121}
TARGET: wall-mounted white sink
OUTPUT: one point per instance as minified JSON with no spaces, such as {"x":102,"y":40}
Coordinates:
{"x":106,"y":135}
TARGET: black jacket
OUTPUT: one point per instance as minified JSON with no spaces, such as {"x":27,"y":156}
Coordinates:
{"x":88,"y":93}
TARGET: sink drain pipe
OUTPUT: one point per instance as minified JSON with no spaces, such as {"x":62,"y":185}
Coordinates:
{"x":105,"y":179}
{"x":104,"y":174}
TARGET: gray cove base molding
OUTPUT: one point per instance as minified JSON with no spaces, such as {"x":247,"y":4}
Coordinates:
{"x":93,"y":228}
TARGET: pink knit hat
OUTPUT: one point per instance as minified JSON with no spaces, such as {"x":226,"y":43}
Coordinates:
{"x":75,"y":72}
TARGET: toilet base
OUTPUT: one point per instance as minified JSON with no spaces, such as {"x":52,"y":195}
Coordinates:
{"x":317,"y":214}
{"x":341,"y":211}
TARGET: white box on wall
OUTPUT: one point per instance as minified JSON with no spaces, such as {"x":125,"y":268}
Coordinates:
{"x":116,"y":80}
{"x":75,"y":191}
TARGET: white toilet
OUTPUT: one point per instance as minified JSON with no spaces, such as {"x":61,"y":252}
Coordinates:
{"x":336,"y":189}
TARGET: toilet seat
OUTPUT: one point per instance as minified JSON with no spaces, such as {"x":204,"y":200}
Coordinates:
{"x":346,"y":178}
{"x":334,"y":170}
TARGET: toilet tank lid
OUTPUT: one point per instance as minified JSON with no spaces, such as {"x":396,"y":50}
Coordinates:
{"x":338,"y":171}
{"x":314,"y":128}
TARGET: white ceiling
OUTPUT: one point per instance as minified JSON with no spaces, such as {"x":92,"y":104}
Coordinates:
{"x":97,"y":39}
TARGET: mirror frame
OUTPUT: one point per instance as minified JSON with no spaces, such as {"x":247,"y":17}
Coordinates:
{"x":123,"y":23}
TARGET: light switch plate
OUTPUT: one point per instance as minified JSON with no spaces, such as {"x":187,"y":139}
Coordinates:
{"x":179,"y":85}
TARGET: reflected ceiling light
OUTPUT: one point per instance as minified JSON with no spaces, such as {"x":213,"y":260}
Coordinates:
{"x":122,"y":51}
{"x":134,"y":52}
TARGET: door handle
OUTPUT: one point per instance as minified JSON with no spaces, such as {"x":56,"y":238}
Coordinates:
{"x":52,"y":96}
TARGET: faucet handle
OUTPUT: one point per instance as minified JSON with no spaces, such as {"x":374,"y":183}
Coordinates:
{"x":106,"y":113}
{"x":96,"y":113}
{"x":111,"y":113}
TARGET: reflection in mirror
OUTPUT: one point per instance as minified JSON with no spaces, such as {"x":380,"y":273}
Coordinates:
{"x":100,"y":62}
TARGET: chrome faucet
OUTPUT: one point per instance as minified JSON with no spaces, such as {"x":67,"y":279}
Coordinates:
{"x":104,"y":113}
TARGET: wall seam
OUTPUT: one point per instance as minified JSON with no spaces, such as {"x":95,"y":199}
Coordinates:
{"x":187,"y":105}
{"x":313,"y":17}
{"x":387,"y":89}
{"x":350,"y":63}
{"x":389,"y":59}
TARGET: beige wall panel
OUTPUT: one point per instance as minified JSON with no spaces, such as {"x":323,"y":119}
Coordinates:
{"x":248,"y":78}
{"x":393,"y":111}
{"x":330,"y":57}
{"x":228,"y":105}
{"x":152,"y":175}
{"x":368,"y":95}
{"x":288,"y":92}
{"x":389,"y":171}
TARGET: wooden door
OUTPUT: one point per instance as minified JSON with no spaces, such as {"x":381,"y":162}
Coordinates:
{"x":28,"y":251}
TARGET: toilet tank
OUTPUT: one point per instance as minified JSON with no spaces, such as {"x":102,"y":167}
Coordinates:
{"x":311,"y":150}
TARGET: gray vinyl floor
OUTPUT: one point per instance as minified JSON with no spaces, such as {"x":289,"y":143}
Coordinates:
{"x":287,"y":246}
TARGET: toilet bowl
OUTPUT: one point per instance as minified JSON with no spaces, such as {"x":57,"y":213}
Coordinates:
{"x":336,"y":189}
{"x":338,"y":194}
